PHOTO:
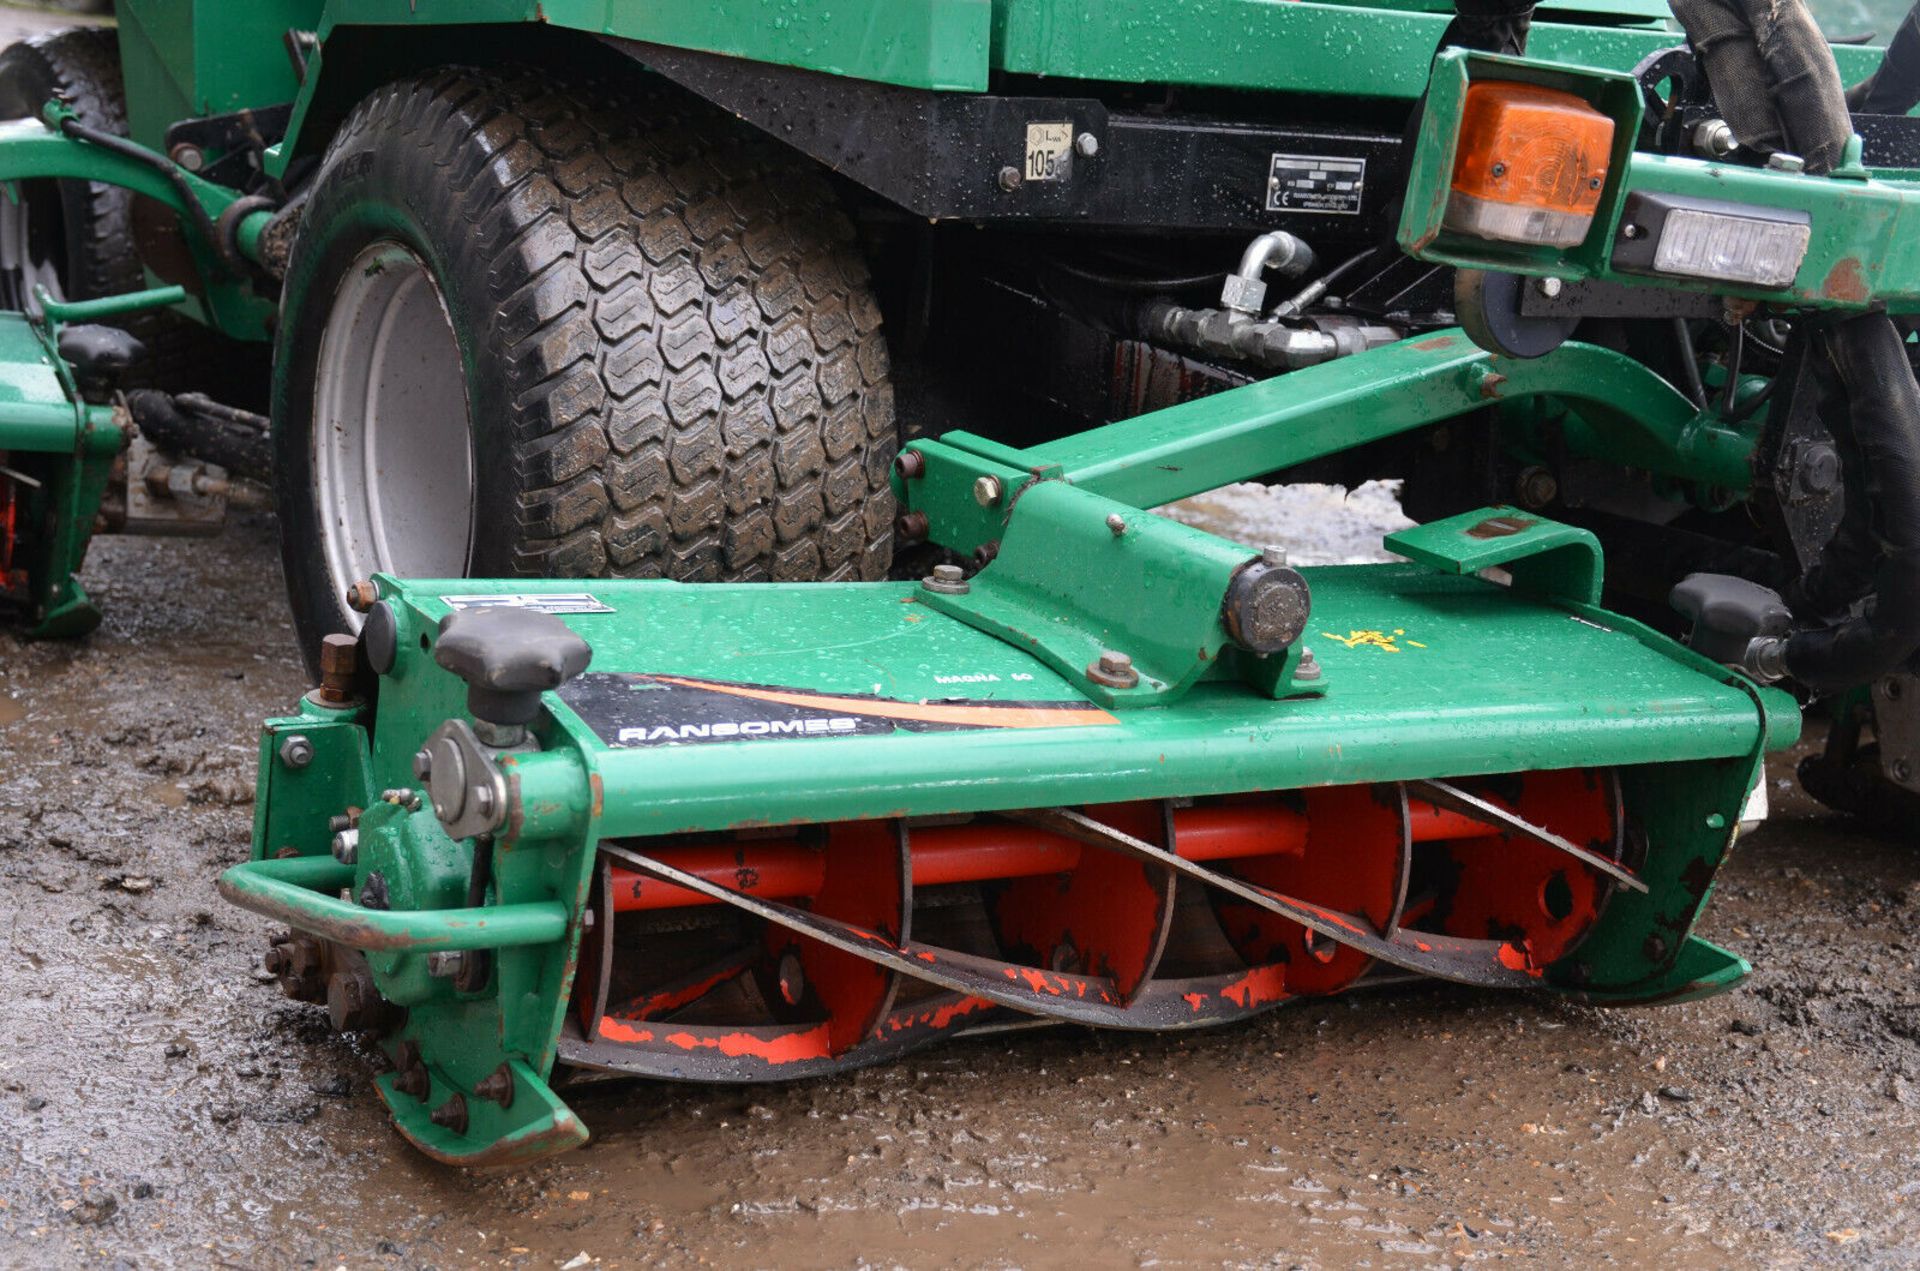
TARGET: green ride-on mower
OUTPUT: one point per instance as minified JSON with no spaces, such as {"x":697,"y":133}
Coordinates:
{"x":888,"y":322}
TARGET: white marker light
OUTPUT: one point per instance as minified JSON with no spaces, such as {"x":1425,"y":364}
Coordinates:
{"x":1742,"y":249}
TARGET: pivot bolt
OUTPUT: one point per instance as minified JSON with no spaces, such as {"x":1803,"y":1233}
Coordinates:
{"x":361,"y":595}
{"x":987,"y":491}
{"x":1009,"y":178}
{"x":296,"y":752}
{"x":947,"y":580}
{"x":1113,"y":669}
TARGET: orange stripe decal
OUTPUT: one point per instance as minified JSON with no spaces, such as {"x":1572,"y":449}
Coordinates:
{"x":1063,"y":716}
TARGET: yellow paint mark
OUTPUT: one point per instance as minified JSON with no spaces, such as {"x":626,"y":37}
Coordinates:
{"x":1385,"y":641}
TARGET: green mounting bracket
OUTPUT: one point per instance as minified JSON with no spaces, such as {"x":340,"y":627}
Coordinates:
{"x":1544,"y":558}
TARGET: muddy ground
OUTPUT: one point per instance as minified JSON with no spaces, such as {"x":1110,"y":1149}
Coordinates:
{"x":161,"y":1105}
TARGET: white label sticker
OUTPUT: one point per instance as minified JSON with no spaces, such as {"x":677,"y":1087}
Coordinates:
{"x":545,"y":602}
{"x":1325,"y":184}
{"x":1049,"y":152}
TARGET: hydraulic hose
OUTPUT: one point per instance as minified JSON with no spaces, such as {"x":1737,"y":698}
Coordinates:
{"x":1773,"y":76}
{"x":1893,"y":88}
{"x":1876,"y":549}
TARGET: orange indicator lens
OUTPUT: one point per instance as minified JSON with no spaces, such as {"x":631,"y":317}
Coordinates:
{"x":1530,"y":164}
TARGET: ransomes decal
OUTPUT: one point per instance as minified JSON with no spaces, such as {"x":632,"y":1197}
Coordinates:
{"x":628,"y":710}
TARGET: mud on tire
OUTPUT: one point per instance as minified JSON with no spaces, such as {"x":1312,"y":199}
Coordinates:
{"x":673,"y":359}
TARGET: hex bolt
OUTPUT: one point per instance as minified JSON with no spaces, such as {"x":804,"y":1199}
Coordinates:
{"x":1549,"y":287}
{"x":1308,"y":670}
{"x":1009,"y":178}
{"x":497,"y":1087}
{"x":1116,"y":523}
{"x":986,"y":491}
{"x":911,"y":465}
{"x":296,"y":752}
{"x":947,"y":580}
{"x":444,"y":966}
{"x":1713,"y":139}
{"x":346,"y":847}
{"x":339,"y":658}
{"x":1113,"y":669}
{"x":362,"y":595}
{"x":1781,"y":161}
{"x":1275,"y":556}
{"x":1086,"y":145}
{"x":452,"y":1115}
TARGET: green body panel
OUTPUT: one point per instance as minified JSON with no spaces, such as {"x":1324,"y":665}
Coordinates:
{"x":182,"y":59}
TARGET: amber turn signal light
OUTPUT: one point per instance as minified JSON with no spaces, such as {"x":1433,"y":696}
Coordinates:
{"x":1530,"y":164}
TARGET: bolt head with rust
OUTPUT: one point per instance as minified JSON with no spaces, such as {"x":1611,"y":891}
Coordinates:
{"x":1113,"y":669}
{"x":339,"y":659}
{"x":911,"y":465}
{"x":911,"y":527}
{"x":362,"y":595}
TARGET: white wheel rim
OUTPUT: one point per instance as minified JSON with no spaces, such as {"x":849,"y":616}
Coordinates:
{"x":17,"y":258}
{"x":392,"y":443}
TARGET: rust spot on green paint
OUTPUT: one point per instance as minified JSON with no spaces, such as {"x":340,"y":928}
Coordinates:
{"x":1846,"y":283}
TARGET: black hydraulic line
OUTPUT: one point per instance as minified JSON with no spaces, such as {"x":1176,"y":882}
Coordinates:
{"x":1746,"y":409}
{"x":227,"y":253}
{"x":1878,"y":541}
{"x":1299,"y":301}
{"x":475,"y":963}
{"x":1689,"y":364}
{"x":1736,"y":345}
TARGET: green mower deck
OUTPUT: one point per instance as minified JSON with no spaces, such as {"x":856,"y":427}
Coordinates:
{"x":773,"y":832}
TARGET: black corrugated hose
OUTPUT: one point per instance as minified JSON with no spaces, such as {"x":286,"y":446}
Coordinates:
{"x":1775,"y":82}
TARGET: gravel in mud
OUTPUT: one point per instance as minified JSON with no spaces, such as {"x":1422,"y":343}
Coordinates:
{"x":160,"y":1105}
